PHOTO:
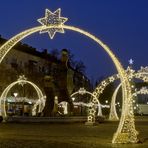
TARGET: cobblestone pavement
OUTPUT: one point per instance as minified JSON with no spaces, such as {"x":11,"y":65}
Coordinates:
{"x":77,"y":135}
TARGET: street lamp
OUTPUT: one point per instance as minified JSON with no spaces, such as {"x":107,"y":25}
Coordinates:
{"x":106,"y":101}
{"x":15,"y":95}
{"x":73,"y":99}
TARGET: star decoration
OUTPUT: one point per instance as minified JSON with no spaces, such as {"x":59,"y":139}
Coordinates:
{"x":22,"y":77}
{"x":131,"y":61}
{"x":22,"y":80}
{"x":52,"y":19}
{"x":111,"y":79}
{"x":82,"y":91}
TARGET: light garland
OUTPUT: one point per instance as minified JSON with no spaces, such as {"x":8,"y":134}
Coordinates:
{"x":143,"y":90}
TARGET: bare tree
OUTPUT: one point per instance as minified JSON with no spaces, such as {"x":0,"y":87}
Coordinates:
{"x":55,"y":53}
{"x":80,"y":67}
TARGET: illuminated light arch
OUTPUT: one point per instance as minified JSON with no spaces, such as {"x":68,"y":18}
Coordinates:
{"x":92,"y":109}
{"x":103,"y":84}
{"x":143,"y":90}
{"x":40,"y":101}
{"x":113,"y":114}
{"x":126,"y":132}
{"x":140,"y":74}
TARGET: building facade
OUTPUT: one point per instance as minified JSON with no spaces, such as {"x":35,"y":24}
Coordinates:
{"x":37,"y":66}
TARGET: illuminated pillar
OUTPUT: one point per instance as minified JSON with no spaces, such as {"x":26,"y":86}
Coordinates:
{"x":113,"y":114}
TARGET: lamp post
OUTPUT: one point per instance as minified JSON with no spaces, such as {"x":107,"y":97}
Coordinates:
{"x":15,"y":95}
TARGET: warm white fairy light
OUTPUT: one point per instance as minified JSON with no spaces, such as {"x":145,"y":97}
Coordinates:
{"x":52,"y":19}
{"x":104,"y":83}
{"x":111,"y":79}
{"x":143,"y":69}
{"x":100,"y":88}
{"x":143,"y":90}
{"x":126,"y":132}
{"x":143,"y":73}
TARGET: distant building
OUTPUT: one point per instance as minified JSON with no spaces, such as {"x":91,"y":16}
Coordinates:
{"x":35,"y":65}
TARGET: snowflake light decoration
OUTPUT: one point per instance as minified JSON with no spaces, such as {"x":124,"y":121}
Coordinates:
{"x":82,"y":91}
{"x":143,"y":69}
{"x":52,"y":19}
{"x":22,"y":80}
{"x":111,"y":79}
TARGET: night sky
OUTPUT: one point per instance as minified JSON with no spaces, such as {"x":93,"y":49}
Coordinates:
{"x":121,"y":24}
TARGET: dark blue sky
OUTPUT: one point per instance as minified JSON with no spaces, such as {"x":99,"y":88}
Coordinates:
{"x":121,"y":24}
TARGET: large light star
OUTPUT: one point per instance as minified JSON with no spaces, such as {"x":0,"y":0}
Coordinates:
{"x":52,"y":19}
